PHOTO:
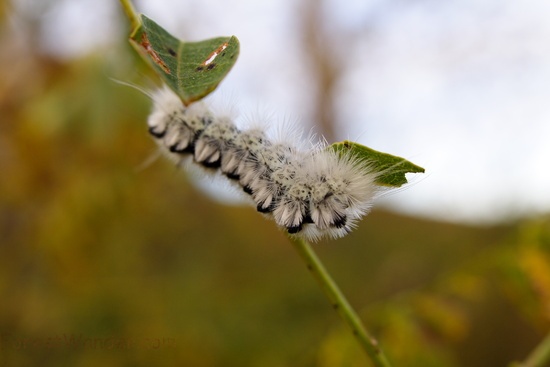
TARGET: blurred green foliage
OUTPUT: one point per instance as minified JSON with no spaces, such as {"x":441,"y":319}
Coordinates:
{"x":105,"y":264}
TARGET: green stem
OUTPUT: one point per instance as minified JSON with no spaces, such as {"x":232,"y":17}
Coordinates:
{"x":540,"y":356}
{"x":131,"y":13}
{"x":339,"y":302}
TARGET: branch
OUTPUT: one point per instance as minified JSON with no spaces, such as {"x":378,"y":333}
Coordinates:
{"x":339,"y":302}
{"x":539,"y":357}
{"x":131,"y":13}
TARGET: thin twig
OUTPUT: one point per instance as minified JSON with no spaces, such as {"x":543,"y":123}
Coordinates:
{"x":339,"y":302}
{"x":540,"y":356}
{"x":131,"y":13}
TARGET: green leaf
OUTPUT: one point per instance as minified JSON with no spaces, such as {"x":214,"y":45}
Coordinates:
{"x":191,"y":69}
{"x":392,"y":168}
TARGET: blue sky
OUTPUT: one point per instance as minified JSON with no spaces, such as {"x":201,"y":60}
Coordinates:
{"x":461,"y":88}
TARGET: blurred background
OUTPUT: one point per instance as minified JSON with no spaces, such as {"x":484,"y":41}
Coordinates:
{"x":104,"y":261}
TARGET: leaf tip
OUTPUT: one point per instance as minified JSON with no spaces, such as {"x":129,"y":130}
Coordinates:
{"x":391,"y":169}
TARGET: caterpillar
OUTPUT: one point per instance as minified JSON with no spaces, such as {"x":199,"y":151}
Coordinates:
{"x":309,"y":191}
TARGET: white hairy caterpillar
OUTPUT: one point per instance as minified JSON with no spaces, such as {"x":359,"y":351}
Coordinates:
{"x":313,"y":192}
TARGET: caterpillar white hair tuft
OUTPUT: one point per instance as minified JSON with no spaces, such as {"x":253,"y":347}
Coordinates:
{"x":312,"y":191}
